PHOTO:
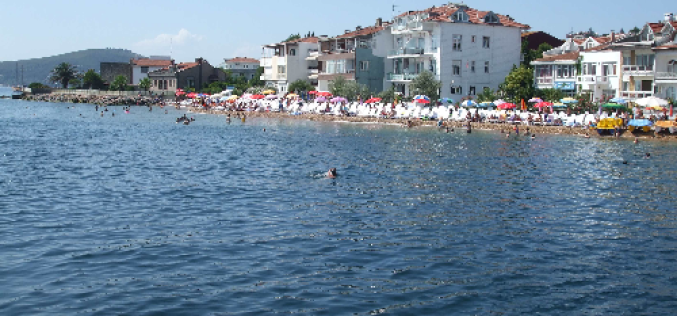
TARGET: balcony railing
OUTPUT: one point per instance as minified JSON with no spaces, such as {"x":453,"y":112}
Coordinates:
{"x":544,"y":80}
{"x":411,"y":51}
{"x":634,"y":95}
{"x":592,"y":79}
{"x":409,"y":26}
{"x":406,"y":77}
{"x":632,"y":70}
{"x":666,"y":76}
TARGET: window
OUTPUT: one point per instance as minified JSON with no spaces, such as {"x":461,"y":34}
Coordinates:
{"x":491,"y":18}
{"x":460,"y":16}
{"x":171,"y":83}
{"x":456,"y":90}
{"x":472,"y":90}
{"x":364,"y":65}
{"x":486,"y":42}
{"x":565,"y":71}
{"x":472,"y":66}
{"x":144,"y":70}
{"x":456,"y":67}
{"x":292,"y":52}
{"x":486,"y":67}
{"x":164,"y":85}
{"x":672,"y":66}
{"x":456,"y":42}
{"x":281,"y":69}
{"x":190,"y":82}
{"x":626,"y":86}
{"x":473,"y":38}
{"x":609,"y":69}
{"x":421,"y":42}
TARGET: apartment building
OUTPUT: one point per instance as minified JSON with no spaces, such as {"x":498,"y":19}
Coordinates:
{"x":287,"y":62}
{"x":467,"y":49}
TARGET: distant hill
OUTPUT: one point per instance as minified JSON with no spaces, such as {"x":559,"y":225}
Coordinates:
{"x":37,"y":70}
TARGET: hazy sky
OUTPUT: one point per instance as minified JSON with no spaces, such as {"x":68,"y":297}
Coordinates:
{"x":222,"y":29}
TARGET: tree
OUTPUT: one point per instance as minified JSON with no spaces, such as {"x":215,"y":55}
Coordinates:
{"x":387,"y":96}
{"x":292,"y":37}
{"x":75,"y":83}
{"x":63,"y":73}
{"x":119,"y":83}
{"x":37,"y":85}
{"x":550,"y":94}
{"x":426,"y":84}
{"x":145,"y":84}
{"x":544,"y":47}
{"x":487,"y":95}
{"x":338,"y":86}
{"x":300,"y":86}
{"x":635,"y":30}
{"x":519,"y":84}
{"x":256,"y":81}
{"x":92,"y":80}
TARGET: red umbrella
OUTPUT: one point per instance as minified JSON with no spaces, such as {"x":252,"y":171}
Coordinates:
{"x":543,"y":104}
{"x":179,"y":93}
{"x":507,"y":106}
{"x":191,"y":95}
{"x":324,"y":94}
{"x":423,"y":101}
{"x":257,"y":97}
{"x":373,"y":100}
{"x":312,"y":92}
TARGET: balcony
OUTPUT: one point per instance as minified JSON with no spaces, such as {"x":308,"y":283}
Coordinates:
{"x":410,"y":27}
{"x":266,"y":62}
{"x":666,"y":76}
{"x":638,"y":71}
{"x":592,"y":80}
{"x":406,"y":77}
{"x":634,"y":95}
{"x":411,"y":52}
{"x":544,"y":80}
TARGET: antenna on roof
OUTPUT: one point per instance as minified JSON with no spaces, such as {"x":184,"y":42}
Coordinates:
{"x":394,"y":14}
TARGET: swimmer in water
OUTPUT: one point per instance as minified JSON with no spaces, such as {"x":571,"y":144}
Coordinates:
{"x":586,"y":135}
{"x":331,"y":174}
{"x":636,"y":140}
{"x":647,"y":156}
{"x":533,"y":136}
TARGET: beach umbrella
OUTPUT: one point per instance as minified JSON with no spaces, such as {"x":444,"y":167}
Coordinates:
{"x":422,"y":97}
{"x":324,"y":94}
{"x":257,"y":97}
{"x":535,"y":100}
{"x":271,"y":97}
{"x":543,"y":104}
{"x":233,"y":98}
{"x":613,"y":106}
{"x":338,"y":99}
{"x":569,"y":100}
{"x":321,"y":100}
{"x":507,"y":106}
{"x":267,"y":92}
{"x":223,"y":99}
{"x":373,"y":100}
{"x":499,"y":102}
{"x":469,"y":104}
{"x":447,"y":100}
{"x":559,"y":105}
{"x":180,"y":93}
{"x":292,"y":95}
{"x":618,"y":100}
{"x":192,"y":95}
{"x":651,"y":102}
{"x":488,"y":104}
{"x":312,"y":92}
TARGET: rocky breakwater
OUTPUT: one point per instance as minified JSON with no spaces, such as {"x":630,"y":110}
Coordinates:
{"x":104,"y":100}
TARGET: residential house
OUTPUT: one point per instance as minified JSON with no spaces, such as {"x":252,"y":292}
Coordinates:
{"x":600,"y":72}
{"x":141,"y":67}
{"x":357,"y":55}
{"x":196,"y":75}
{"x":466,"y":49}
{"x":666,"y":70}
{"x":242,"y":66}
{"x":287,"y":62}
{"x":556,"y":72}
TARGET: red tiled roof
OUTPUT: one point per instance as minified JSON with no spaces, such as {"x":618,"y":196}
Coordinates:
{"x":579,"y":41}
{"x":362,"y":32}
{"x":444,"y":13}
{"x":151,"y":63}
{"x":596,"y":48}
{"x":567,"y":56}
{"x":666,"y":47}
{"x":184,"y":66}
{"x":304,"y":40}
{"x":242,"y":60}
{"x":602,"y":40}
{"x":656,"y":27}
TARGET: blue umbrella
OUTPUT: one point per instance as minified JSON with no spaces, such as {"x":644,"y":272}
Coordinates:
{"x":447,"y":100}
{"x":486,"y":105}
{"x":469,"y":104}
{"x":569,"y":100}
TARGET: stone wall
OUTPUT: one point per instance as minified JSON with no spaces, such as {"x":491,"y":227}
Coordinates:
{"x":111,"y":70}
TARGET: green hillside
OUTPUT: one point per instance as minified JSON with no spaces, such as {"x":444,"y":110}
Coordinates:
{"x":37,"y":70}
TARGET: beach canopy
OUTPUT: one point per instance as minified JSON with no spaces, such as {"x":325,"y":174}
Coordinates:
{"x":469,"y":104}
{"x":613,"y":106}
{"x":233,"y":97}
{"x":421,"y":99}
{"x":268,"y":92}
{"x":246,"y":96}
{"x":568,"y":100}
{"x":257,"y":97}
{"x":447,"y":100}
{"x":292,"y":95}
{"x":488,"y":104}
{"x":507,"y":106}
{"x":499,"y":102}
{"x":180,"y":93}
{"x":559,"y":105}
{"x":652,"y":102}
{"x":271,"y":97}
{"x":321,"y":100}
{"x":312,"y":92}
{"x":618,"y":100}
{"x":338,"y":100}
{"x":324,"y":94}
{"x":543,"y":104}
{"x":373,"y":100}
{"x":192,"y":95}
{"x":535,"y":100}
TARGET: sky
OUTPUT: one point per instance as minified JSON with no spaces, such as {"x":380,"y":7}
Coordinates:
{"x":224,"y":29}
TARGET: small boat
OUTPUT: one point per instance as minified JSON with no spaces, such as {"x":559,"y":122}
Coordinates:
{"x":640,"y":125}
{"x":669,"y":126}
{"x":608,"y":126}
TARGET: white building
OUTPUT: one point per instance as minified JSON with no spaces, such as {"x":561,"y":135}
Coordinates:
{"x":556,"y":72}
{"x":287,"y":62}
{"x":666,"y":71}
{"x":600,"y":73}
{"x":467,"y":50}
{"x":141,"y":67}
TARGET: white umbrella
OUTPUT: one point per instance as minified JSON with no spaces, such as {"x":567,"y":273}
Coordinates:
{"x":499,"y":102}
{"x":651,"y":102}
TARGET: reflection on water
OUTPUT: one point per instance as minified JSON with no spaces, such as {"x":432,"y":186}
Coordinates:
{"x":138,"y":215}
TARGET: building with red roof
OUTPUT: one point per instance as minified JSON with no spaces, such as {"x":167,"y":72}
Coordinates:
{"x":242,"y":66}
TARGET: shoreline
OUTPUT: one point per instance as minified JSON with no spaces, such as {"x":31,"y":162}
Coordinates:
{"x":549,"y":130}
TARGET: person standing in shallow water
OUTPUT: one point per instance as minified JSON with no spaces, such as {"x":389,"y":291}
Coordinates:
{"x":468,"y":128}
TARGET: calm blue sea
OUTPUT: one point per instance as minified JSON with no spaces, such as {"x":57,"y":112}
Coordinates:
{"x":136,"y":215}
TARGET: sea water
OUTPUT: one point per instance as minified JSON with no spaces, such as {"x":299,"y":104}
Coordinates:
{"x":135,"y":214}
